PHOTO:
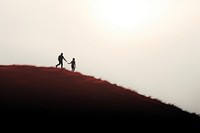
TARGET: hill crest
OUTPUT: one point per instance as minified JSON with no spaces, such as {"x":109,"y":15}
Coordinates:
{"x":35,"y":90}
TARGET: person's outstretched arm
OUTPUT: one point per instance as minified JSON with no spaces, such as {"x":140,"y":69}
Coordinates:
{"x":64,"y":59}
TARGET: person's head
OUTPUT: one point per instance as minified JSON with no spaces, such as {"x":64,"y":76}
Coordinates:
{"x":61,"y":53}
{"x":73,"y":58}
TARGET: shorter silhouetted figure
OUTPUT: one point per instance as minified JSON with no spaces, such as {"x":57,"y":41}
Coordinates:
{"x":73,"y":64}
{"x":60,"y":60}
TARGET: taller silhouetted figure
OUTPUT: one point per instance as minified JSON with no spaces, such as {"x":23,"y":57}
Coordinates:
{"x":60,"y":59}
{"x":73,"y":64}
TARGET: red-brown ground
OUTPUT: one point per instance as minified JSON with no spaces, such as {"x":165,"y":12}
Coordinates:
{"x":53,"y":95}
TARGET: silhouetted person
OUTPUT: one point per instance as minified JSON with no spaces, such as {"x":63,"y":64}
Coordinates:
{"x":73,"y":64}
{"x":60,"y":59}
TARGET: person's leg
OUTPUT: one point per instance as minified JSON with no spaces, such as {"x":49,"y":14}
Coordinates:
{"x":73,"y":68}
{"x":61,"y":65}
{"x":57,"y":64}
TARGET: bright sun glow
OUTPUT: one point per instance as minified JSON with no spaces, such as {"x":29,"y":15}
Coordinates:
{"x":123,"y":15}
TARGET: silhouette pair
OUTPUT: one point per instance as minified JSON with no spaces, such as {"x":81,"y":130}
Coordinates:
{"x":60,"y":60}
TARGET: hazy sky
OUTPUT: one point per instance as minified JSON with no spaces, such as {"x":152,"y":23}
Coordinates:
{"x":150,"y":46}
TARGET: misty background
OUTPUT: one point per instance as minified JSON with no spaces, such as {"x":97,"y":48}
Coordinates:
{"x":151,"y":47}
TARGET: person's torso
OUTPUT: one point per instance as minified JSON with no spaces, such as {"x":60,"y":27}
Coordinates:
{"x":73,"y":62}
{"x":60,"y":57}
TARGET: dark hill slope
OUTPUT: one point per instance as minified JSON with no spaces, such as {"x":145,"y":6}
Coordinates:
{"x":42,"y":94}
